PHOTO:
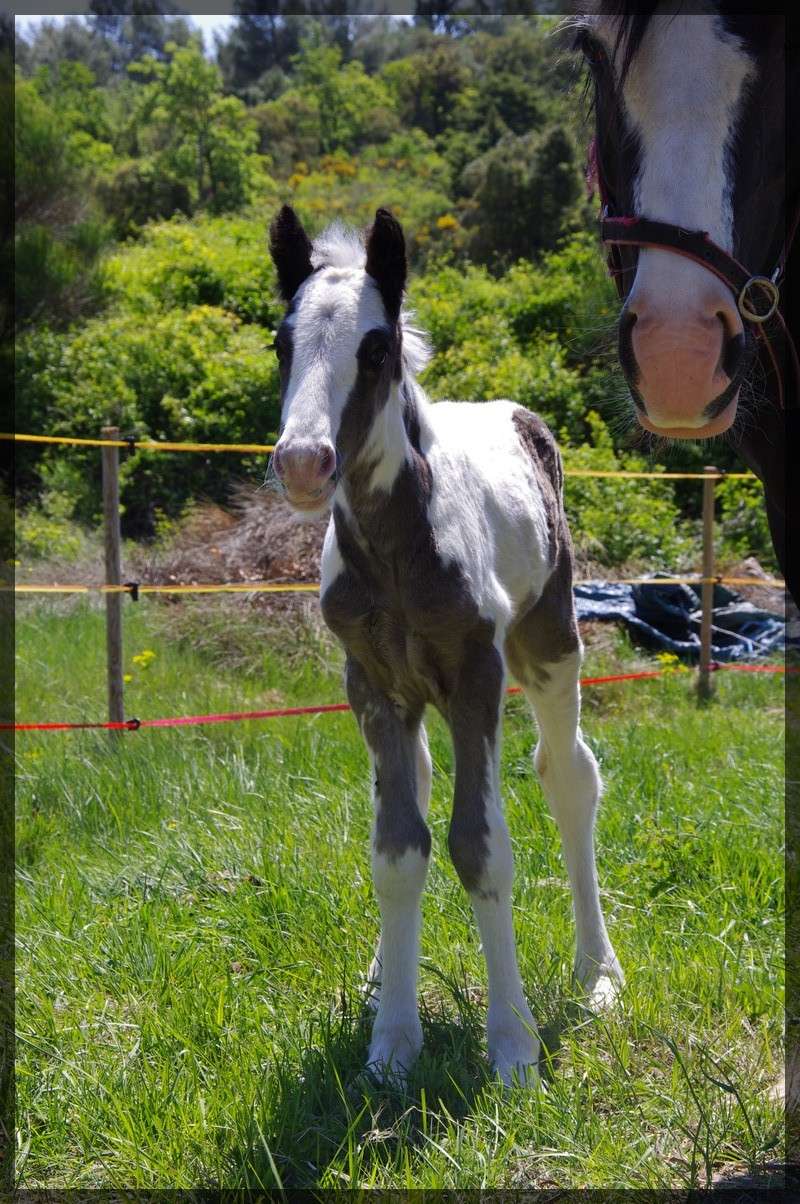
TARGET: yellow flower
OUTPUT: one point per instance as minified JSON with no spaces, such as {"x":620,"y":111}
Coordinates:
{"x":143,"y":658}
{"x":126,"y":677}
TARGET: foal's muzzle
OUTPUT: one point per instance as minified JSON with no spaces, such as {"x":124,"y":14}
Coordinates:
{"x":306,"y":470}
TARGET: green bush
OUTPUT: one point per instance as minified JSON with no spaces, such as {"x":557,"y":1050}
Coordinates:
{"x":46,"y":532}
{"x":138,"y":192}
{"x":218,"y":261}
{"x":196,"y":374}
{"x":59,"y":233}
{"x":523,"y":194}
{"x":615,"y":521}
{"x":743,"y":522}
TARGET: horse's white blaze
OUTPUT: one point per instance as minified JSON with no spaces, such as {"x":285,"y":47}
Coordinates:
{"x":335,"y":309}
{"x":682,"y":94}
{"x":682,"y":99}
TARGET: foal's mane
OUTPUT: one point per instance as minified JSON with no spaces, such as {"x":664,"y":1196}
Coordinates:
{"x":340,"y":246}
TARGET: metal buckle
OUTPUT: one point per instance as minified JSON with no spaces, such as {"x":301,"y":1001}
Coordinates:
{"x":769,"y":288}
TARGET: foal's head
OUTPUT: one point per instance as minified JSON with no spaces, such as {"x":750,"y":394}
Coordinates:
{"x":690,"y":131}
{"x":339,"y":346}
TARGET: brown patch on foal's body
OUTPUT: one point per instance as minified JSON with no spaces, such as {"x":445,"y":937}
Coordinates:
{"x":546,"y":628}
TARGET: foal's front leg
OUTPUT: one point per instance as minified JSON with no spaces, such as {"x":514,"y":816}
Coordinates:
{"x":401,"y":846}
{"x":372,"y":990}
{"x":481,"y":851}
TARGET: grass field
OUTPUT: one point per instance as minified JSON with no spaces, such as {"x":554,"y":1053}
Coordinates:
{"x":194,"y":915}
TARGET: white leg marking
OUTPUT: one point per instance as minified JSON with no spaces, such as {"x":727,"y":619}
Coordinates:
{"x":397,"y":1032}
{"x":571,"y":784}
{"x":372,"y":989}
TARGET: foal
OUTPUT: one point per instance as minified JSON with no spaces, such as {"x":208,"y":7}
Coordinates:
{"x":447,"y":558}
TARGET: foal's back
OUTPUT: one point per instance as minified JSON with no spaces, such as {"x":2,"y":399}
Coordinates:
{"x":495,"y":504}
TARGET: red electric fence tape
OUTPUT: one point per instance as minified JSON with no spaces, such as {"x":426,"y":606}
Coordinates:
{"x":132,"y":725}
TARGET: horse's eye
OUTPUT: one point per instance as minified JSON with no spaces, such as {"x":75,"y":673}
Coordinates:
{"x":280,"y":351}
{"x":591,"y":50}
{"x":377,"y":357}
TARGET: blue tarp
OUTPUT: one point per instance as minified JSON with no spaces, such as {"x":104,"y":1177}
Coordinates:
{"x":667,"y":618}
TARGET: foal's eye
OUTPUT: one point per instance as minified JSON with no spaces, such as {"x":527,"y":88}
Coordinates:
{"x":377,"y":357}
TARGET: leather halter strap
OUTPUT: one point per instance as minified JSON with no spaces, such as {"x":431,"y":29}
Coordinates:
{"x":695,"y":244}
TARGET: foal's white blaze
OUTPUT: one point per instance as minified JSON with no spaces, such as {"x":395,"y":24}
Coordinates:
{"x":335,"y":308}
{"x":683,"y":96}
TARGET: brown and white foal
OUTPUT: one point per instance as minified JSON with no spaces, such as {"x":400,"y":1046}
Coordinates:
{"x":447,"y":559}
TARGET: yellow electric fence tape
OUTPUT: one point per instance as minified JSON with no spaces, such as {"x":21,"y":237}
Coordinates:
{"x":269,"y":447}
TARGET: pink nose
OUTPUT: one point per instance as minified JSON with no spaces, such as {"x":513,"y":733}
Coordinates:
{"x":685,"y":359}
{"x":304,"y":468}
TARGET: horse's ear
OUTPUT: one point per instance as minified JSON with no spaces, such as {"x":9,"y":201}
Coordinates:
{"x":386,"y":260}
{"x":290,"y":248}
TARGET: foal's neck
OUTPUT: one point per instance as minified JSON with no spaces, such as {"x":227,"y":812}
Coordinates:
{"x":387,"y":484}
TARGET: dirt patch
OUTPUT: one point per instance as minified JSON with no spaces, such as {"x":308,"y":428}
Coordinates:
{"x":258,"y":539}
{"x":765,"y":597}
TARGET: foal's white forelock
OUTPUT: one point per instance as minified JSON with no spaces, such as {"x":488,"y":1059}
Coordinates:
{"x":334,"y":309}
{"x":683,"y":96}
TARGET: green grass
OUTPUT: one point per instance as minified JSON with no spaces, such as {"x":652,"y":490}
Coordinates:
{"x":194,"y":915}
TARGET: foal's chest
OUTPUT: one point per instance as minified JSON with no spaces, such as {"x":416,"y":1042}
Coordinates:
{"x":406,"y":623}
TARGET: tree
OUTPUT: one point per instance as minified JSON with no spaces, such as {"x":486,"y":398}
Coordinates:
{"x":135,"y":30}
{"x":195,"y":134}
{"x":59,"y":232}
{"x":427,"y":86}
{"x":258,"y":42}
{"x":523,"y":195}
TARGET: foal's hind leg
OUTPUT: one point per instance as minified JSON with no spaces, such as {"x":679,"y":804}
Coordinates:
{"x":400,"y":852}
{"x":372,"y":990}
{"x":571,"y":784}
{"x":544,"y":653}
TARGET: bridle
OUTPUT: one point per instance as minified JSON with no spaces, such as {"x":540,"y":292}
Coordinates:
{"x":757,"y":297}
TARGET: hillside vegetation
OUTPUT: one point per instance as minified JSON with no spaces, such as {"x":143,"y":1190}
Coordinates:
{"x":147,"y":176}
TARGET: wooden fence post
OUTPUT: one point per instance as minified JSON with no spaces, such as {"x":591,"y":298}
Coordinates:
{"x":704,"y":687}
{"x":116,"y":705}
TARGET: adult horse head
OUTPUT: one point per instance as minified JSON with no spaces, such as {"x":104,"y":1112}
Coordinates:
{"x":698,"y":207}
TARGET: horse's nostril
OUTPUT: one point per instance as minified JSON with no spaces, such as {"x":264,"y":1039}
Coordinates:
{"x":327,"y":460}
{"x":733,"y":352}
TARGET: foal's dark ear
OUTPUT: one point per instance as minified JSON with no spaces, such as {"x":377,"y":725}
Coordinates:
{"x":290,"y":248}
{"x":386,"y":260}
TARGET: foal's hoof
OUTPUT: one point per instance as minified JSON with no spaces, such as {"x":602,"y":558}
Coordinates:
{"x":514,"y":1050}
{"x":600,"y":983}
{"x":517,"y":1074}
{"x":392,"y":1053}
